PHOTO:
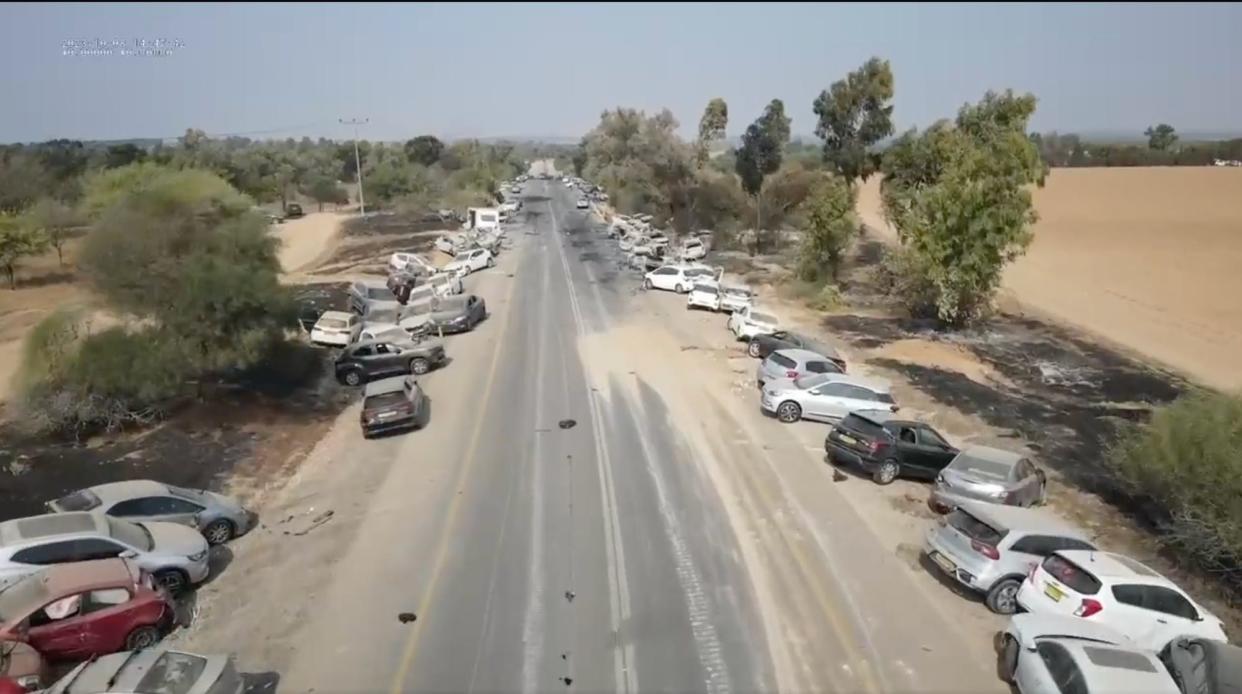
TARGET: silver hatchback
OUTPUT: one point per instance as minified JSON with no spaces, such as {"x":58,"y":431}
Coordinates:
{"x":992,"y":475}
{"x":990,"y":549}
{"x":793,"y":363}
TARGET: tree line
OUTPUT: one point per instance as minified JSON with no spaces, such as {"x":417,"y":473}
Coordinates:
{"x":1164,"y":148}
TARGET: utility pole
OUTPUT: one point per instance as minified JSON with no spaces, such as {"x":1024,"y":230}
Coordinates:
{"x":362,"y":201}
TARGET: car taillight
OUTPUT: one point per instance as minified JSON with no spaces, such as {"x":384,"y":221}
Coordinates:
{"x":791,"y":374}
{"x":875,"y":446}
{"x":1031,"y":573}
{"x":985,"y":549}
{"x":1088,"y":608}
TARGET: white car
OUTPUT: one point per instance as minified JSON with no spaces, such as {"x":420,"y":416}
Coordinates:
{"x":676,"y":278}
{"x":735,"y":297}
{"x":445,"y":284}
{"x":400,"y":262}
{"x":467,"y":262}
{"x":693,"y":249}
{"x":749,"y":321}
{"x":627,"y":243}
{"x":582,"y":204}
{"x":336,"y":328}
{"x":1118,"y":592}
{"x":1044,"y":653}
{"x":824,"y":397}
{"x":704,"y":295}
{"x":175,"y":554}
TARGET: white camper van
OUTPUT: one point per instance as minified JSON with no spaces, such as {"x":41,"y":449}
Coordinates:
{"x":483,"y":218}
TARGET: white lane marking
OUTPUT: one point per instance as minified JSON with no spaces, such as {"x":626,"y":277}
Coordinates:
{"x":532,"y":626}
{"x":618,"y":584}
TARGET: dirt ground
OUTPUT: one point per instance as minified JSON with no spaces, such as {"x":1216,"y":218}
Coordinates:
{"x":1145,"y":258}
{"x":302,"y":241}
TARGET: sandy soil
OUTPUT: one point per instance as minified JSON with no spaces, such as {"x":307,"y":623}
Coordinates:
{"x":1145,"y":258}
{"x":303,"y":241}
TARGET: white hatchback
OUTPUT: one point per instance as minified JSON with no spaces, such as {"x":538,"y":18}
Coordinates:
{"x":704,"y":295}
{"x":676,"y":278}
{"x":1118,"y":592}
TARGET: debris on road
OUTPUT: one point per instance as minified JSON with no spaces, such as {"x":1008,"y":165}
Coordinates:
{"x":315,"y":523}
{"x":570,"y":595}
{"x":406,"y":617}
{"x":567,"y":423}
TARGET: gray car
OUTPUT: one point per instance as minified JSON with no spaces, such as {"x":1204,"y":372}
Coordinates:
{"x":219,"y":518}
{"x":153,"y":671}
{"x":992,"y":475}
{"x":990,"y":549}
{"x":365,"y":297}
{"x":823,"y":397}
{"x":793,"y":363}
{"x":1059,"y":654}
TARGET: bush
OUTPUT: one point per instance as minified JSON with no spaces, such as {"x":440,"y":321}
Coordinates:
{"x":1183,"y":467}
{"x":902,"y":276}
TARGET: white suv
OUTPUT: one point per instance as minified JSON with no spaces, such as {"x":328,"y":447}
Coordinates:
{"x":1118,"y":592}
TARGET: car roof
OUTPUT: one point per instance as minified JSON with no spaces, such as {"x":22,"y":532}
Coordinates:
{"x":876,"y":385}
{"x":880,"y":417}
{"x":22,"y":530}
{"x":1033,"y":520}
{"x":113,"y":492}
{"x":1117,"y":670}
{"x":1114,"y":566}
{"x":68,"y":578}
{"x":124,"y":672}
{"x":998,"y":455}
{"x":803,"y":355}
{"x":343,"y":315}
{"x":383,"y":386}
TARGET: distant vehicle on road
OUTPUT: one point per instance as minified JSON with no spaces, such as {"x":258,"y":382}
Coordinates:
{"x":1115,"y":591}
{"x":750,"y":321}
{"x":219,"y":518}
{"x":457,"y":314}
{"x":792,"y":363}
{"x":992,"y":475}
{"x":582,"y":203}
{"x":153,"y":671}
{"x":336,"y":328}
{"x":824,"y":397}
{"x":293,"y":211}
{"x":363,"y":361}
{"x":763,"y":344}
{"x":990,"y":549}
{"x":391,"y":403}
{"x":1040,"y":653}
{"x":175,"y":554}
{"x":85,"y":609}
{"x":887,"y":447}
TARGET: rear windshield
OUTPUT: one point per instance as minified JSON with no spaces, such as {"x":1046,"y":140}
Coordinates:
{"x":1071,"y":574}
{"x":172,"y":673}
{"x":737,"y":291}
{"x":974,"y":528}
{"x":131,"y":534}
{"x":763,"y":317}
{"x":699,"y":272}
{"x":982,"y":466}
{"x":383,"y":400}
{"x":706,"y":289}
{"x":83,"y":500}
{"x":782,"y":360}
{"x":332,"y":323}
{"x":884,"y":398}
{"x":862,"y":426}
{"x":380,"y":293}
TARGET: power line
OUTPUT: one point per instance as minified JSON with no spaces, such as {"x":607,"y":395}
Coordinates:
{"x":362,"y":201}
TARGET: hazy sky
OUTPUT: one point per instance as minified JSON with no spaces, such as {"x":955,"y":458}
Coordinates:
{"x":502,"y":70}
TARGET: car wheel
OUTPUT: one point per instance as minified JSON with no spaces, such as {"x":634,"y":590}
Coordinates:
{"x":174,"y":580}
{"x":419,"y":366}
{"x":1003,"y":597}
{"x":218,"y":532}
{"x":353,"y":378}
{"x":491,"y":262}
{"x":682,"y":289}
{"x":366,"y":433}
{"x":788,"y":412}
{"x":647,"y":284}
{"x":142,"y":638}
{"x":1043,"y":495}
{"x":1007,"y":659}
{"x":887,"y":472}
{"x":752,"y":349}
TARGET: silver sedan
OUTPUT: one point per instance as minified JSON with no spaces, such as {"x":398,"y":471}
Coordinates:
{"x":218,"y":517}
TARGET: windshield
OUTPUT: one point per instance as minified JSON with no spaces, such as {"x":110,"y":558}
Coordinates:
{"x":172,"y":673}
{"x":334,"y":323}
{"x":461,"y":257}
{"x":738,"y":292}
{"x":982,"y":467}
{"x":380,"y":294}
{"x":706,"y":289}
{"x":375,"y":402}
{"x":83,"y":500}
{"x":133,"y":534}
{"x":763,"y":318}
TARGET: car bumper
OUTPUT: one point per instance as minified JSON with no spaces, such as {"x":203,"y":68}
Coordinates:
{"x":390,"y":425}
{"x":943,"y":500}
{"x":767,"y":403}
{"x":197,"y":571}
{"x":848,"y":456}
{"x":329,"y":340}
{"x":964,"y":570}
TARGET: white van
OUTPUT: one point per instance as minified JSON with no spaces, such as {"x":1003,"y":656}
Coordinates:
{"x":482,"y":218}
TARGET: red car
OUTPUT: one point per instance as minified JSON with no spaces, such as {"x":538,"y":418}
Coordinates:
{"x":82,"y":609}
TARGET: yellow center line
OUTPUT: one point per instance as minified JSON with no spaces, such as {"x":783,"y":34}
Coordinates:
{"x":411,"y":645}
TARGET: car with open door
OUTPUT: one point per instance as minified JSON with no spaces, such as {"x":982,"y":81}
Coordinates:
{"x":363,"y":361}
{"x":888,"y":447}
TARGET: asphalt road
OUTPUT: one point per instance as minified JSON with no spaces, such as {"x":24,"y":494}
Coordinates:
{"x":582,"y":513}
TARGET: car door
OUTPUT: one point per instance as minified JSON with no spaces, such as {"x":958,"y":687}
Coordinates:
{"x":1028,"y":483}
{"x":906,"y":441}
{"x":859,"y":398}
{"x":829,"y":401}
{"x":92,"y":548}
{"x":57,"y":629}
{"x":170,"y":509}
{"x":935,"y":449}
{"x":474,"y":309}
{"x":1174,"y":614}
{"x":108,"y":617}
{"x":1132,"y":615}
{"x":664,"y":278}
{"x":388,"y":358}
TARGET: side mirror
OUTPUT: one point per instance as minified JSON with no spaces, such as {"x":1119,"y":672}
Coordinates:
{"x":128,"y":554}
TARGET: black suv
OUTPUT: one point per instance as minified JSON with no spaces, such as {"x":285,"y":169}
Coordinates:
{"x":762,"y":345}
{"x":362,"y":361}
{"x":888,"y":447}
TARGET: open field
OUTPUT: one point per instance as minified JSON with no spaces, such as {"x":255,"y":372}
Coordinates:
{"x":1146,"y":258}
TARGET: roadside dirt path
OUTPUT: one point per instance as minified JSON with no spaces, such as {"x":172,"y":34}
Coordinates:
{"x":304,"y":241}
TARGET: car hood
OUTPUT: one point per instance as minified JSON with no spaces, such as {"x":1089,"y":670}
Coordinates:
{"x":174,"y":538}
{"x":963,"y":479}
{"x":781,"y":385}
{"x":1031,"y":625}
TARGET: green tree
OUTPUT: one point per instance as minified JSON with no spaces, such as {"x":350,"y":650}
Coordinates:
{"x":711,"y":128}
{"x":854,"y":115}
{"x":1160,"y":137}
{"x":23,"y":179}
{"x":124,"y":155}
{"x":18,"y":241}
{"x":56,"y":220}
{"x":958,"y":195}
{"x":323,"y":189}
{"x":103,"y":189}
{"x":424,"y":149}
{"x":830,"y":225}
{"x":761,"y":154}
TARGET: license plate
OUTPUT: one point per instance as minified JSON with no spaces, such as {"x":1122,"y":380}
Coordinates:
{"x":948,"y":566}
{"x":386,"y":415}
{"x":849,"y":439}
{"x":1053,"y":592}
